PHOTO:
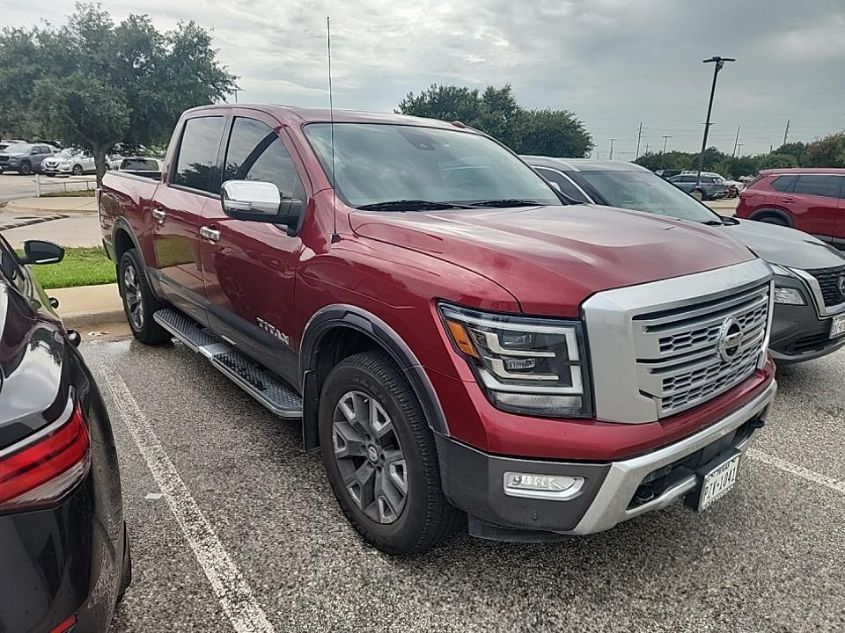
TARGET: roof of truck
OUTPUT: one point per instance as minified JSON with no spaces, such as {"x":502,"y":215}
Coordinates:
{"x":293,"y":115}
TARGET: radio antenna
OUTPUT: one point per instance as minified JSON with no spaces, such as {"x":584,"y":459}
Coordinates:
{"x":335,"y":236}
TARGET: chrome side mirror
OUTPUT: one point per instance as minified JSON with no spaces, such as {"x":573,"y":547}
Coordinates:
{"x":257,"y":201}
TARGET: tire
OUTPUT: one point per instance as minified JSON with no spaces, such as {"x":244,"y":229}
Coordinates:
{"x":139,"y":302}
{"x":773,"y":219}
{"x":126,"y":567}
{"x":698,"y":194}
{"x":25,"y":168}
{"x":77,"y":170}
{"x":371,"y":382}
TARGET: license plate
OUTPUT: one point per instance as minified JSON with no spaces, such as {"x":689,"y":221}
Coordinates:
{"x":837,"y":326}
{"x":718,"y":482}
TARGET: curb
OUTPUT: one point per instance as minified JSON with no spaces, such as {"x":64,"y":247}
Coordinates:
{"x":81,"y":321}
{"x":14,"y":206}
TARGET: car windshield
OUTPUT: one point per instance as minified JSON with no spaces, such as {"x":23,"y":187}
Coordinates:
{"x":644,"y":191}
{"x":18,"y":148}
{"x":69,"y":152}
{"x":405,"y":168}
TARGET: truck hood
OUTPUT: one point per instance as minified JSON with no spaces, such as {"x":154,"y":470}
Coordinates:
{"x":784,"y":246}
{"x":552,"y":258}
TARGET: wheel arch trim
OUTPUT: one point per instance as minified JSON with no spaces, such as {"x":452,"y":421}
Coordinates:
{"x":768,"y":211}
{"x":347,"y":316}
{"x":121,"y":225}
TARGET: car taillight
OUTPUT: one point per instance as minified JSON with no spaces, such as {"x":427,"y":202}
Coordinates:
{"x":43,"y":470}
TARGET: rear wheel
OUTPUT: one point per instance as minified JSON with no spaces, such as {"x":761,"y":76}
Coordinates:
{"x":77,"y":170}
{"x":139,"y":302}
{"x":771,"y":218}
{"x":380,"y":456}
{"x":698,"y":194}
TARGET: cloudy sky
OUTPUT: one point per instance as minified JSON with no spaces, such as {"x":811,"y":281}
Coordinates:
{"x":615,"y":63}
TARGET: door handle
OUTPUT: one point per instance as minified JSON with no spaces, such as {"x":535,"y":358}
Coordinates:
{"x":212,"y":235}
{"x":159,"y":215}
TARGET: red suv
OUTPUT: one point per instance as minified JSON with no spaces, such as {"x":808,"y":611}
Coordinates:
{"x":812,"y":200}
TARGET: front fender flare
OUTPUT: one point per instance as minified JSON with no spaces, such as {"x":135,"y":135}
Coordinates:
{"x":348,"y":316}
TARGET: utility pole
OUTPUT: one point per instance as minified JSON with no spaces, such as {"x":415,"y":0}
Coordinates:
{"x":785,"y":132}
{"x":739,"y":147}
{"x":612,"y":140}
{"x":736,"y":142}
{"x":646,"y":149}
{"x":666,"y":137}
{"x":639,"y":136}
{"x":718,"y":62}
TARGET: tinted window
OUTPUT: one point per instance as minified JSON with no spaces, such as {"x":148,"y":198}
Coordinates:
{"x":385,"y":163}
{"x":198,"y":152}
{"x":566,"y":186}
{"x":256,"y":152}
{"x":827,"y":186}
{"x":781,"y":183}
{"x":138,"y":164}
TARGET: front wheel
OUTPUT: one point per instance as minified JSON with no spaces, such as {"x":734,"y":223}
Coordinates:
{"x":380,"y":456}
{"x":139,"y":302}
{"x":25,"y":169}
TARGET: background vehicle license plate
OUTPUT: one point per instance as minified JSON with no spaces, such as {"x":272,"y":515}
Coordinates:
{"x":837,"y":326}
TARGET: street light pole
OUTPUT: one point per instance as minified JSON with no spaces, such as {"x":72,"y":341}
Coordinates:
{"x":719,"y":63}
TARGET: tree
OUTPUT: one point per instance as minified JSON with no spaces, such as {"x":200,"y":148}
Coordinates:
{"x":796,"y":149}
{"x":776,"y":161}
{"x":827,"y":152}
{"x":93,"y":83}
{"x":497,"y":113}
{"x":552,"y":133}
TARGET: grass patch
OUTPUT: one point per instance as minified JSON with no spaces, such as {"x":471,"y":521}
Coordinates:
{"x":74,"y":193}
{"x":80,"y":267}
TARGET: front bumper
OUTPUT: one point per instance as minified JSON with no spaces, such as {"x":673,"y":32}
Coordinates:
{"x":612,"y":491}
{"x":799,"y":333}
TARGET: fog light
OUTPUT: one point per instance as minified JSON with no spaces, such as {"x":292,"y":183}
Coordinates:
{"x":536,"y":486}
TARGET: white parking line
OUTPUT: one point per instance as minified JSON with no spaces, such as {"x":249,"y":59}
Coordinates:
{"x":229,"y":585}
{"x":794,"y":469}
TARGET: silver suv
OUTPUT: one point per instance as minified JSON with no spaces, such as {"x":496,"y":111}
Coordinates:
{"x":25,"y":158}
{"x":709,"y":187}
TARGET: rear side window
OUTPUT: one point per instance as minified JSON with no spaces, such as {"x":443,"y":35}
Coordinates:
{"x":198,"y":153}
{"x":782,"y":183}
{"x":566,"y":185}
{"x":826,"y":186}
{"x":256,"y":152}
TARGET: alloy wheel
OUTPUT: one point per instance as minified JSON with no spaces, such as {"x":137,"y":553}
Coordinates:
{"x":369,"y":457}
{"x":132,"y":296}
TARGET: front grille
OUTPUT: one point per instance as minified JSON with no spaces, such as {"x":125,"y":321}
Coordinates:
{"x":679,"y":362}
{"x":4,"y":158}
{"x":828,"y":279}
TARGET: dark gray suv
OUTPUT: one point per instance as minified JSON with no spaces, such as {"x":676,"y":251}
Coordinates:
{"x":710,"y":187}
{"x":25,"y":158}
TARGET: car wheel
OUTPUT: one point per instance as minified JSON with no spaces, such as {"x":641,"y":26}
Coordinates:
{"x":25,"y":169}
{"x":139,"y":302}
{"x":77,"y":170}
{"x":380,"y":456}
{"x":126,"y":567}
{"x":698,"y":194}
{"x":773,"y":219}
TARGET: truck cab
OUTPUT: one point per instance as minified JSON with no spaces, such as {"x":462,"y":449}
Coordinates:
{"x":459,"y":342}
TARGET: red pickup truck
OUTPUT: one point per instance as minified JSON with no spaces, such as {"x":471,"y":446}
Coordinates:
{"x":459,"y":342}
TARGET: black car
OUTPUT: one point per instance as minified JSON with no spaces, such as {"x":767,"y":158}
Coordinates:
{"x":64,"y":553}
{"x":809,"y":314}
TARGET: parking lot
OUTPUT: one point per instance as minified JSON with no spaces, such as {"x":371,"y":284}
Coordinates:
{"x":234,"y":528}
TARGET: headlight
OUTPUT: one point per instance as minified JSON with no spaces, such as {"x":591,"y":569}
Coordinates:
{"x":525,"y":365}
{"x":789,"y":296}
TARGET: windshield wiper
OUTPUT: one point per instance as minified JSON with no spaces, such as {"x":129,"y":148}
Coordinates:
{"x":411,"y":205}
{"x":507,"y":202}
{"x":725,"y":221}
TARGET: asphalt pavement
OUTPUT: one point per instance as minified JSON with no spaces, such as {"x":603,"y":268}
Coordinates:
{"x":234,"y":528}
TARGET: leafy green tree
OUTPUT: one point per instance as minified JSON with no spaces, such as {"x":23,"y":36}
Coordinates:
{"x":796,"y":149}
{"x":94,"y":83}
{"x":776,"y":161}
{"x":552,"y":133}
{"x":827,"y":152}
{"x":496,"y":112}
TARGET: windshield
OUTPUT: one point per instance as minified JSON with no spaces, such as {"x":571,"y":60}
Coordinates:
{"x":644,"y":191}
{"x":376,"y":164}
{"x":18,"y":148}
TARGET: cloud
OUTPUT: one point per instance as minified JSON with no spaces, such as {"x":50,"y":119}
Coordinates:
{"x":613,"y":62}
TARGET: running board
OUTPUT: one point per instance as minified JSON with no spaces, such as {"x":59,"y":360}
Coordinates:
{"x":270,"y":391}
